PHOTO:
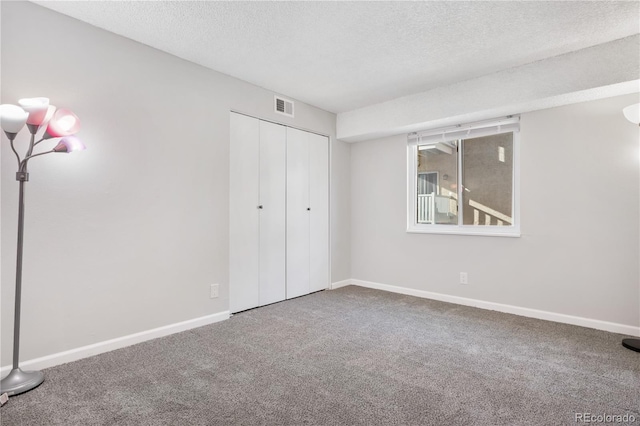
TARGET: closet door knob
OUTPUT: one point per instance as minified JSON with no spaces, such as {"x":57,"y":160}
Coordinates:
{"x":308,"y":208}
{"x":260,"y":206}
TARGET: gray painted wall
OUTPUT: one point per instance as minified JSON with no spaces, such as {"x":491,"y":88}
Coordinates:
{"x":597,"y":72}
{"x":129,"y":234}
{"x":579,"y":250}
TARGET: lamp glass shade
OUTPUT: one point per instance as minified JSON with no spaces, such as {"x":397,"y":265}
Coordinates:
{"x":37,"y":109}
{"x":63,"y":123}
{"x":69,"y":144}
{"x":50,"y":110}
{"x":12,"y":118}
{"x":632,"y":113}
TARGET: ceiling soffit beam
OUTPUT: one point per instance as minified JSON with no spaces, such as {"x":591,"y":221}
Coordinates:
{"x":597,"y":72}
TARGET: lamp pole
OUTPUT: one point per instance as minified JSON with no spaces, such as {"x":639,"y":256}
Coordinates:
{"x":19,"y":381}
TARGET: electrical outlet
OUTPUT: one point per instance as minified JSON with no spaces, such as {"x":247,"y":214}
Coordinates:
{"x":463,"y":278}
{"x":214,"y":291}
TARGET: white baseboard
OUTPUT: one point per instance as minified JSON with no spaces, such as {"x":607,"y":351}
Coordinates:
{"x":121,"y":342}
{"x":492,"y":306}
{"x":117,"y":343}
{"x":339,"y":284}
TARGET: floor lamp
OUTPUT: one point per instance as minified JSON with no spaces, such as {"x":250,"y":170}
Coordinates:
{"x":632,"y":113}
{"x":61,"y":123}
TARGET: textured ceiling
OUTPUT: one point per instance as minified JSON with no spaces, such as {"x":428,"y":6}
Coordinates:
{"x":341,"y":56}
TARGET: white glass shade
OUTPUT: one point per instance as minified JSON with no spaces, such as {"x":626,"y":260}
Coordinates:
{"x":12,"y":118}
{"x":37,"y":109}
{"x":69,"y":144}
{"x":632,"y":113}
{"x":50,"y":110}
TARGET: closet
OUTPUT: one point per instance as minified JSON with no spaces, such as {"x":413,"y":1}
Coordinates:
{"x":279,"y":212}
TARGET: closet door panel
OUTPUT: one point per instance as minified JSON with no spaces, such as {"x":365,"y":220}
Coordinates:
{"x":297,"y":213}
{"x":272,"y":214}
{"x":319,"y":214}
{"x":244,"y":243}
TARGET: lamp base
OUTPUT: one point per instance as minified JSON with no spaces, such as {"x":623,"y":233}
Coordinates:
{"x":19,"y":381}
{"x":633,"y":344}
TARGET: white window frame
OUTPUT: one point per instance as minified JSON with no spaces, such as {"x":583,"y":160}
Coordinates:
{"x":484,"y":128}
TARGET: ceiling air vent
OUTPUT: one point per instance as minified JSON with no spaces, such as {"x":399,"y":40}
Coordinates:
{"x":283,"y":106}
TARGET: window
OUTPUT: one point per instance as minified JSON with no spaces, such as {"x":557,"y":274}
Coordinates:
{"x":464,"y":179}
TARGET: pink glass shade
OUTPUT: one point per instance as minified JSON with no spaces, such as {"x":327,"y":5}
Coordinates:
{"x":37,"y":109}
{"x":12,"y":118}
{"x":69,"y":144}
{"x":63,"y":123}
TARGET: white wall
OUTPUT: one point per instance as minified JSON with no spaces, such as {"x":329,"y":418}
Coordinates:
{"x":579,"y":250}
{"x":129,"y":234}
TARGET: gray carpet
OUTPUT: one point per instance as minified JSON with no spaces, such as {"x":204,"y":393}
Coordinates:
{"x":351,"y":356}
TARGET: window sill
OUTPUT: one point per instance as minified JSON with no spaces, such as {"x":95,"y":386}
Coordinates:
{"x":483,"y":231}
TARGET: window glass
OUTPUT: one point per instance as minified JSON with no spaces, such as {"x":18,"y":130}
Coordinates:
{"x":437,"y":174}
{"x":487,"y":180}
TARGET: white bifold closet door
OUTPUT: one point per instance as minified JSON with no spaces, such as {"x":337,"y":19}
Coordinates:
{"x":307,"y":212}
{"x":319,"y":213}
{"x":272,"y":183}
{"x":244,"y":216}
{"x":279,"y":213}
{"x":257,"y":228}
{"x":298,"y":213}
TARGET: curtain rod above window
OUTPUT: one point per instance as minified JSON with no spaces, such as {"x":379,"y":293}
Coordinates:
{"x":465,"y":131}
